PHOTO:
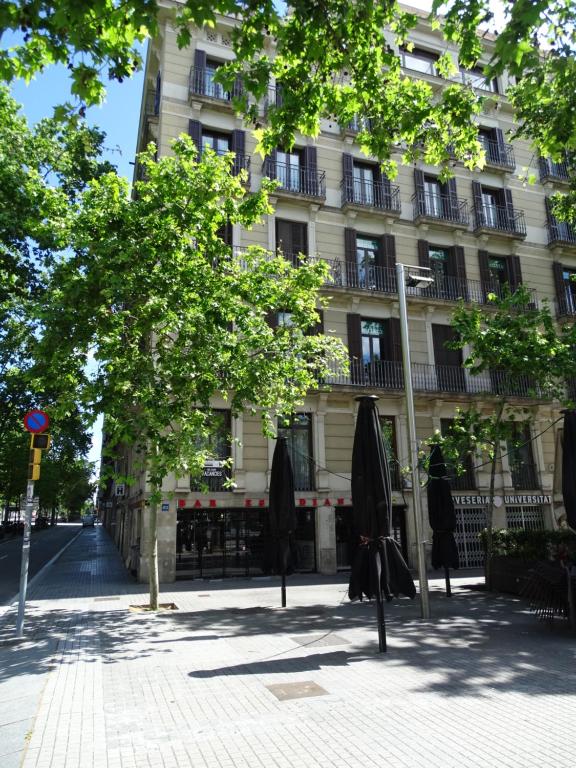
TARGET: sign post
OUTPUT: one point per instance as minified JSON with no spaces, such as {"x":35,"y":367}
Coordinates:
{"x":36,"y":422}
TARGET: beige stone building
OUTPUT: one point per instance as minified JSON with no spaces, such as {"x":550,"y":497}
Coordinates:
{"x":481,"y":230}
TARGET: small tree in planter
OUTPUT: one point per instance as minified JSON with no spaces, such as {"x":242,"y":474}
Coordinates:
{"x":522,"y":350}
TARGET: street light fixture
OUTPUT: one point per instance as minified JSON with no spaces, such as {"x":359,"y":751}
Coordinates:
{"x":414,"y":277}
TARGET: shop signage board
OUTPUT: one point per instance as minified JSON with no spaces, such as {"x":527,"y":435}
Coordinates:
{"x":165,"y":506}
{"x":479,"y":500}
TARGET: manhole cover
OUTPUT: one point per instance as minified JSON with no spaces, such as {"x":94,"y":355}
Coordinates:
{"x":303,"y":690}
{"x":318,"y":641}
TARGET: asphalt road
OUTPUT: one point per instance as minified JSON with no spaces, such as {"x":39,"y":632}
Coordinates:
{"x":43,"y":546}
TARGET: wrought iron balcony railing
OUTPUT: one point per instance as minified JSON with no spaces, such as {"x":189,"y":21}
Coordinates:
{"x":358,"y":124}
{"x":499,"y":155}
{"x":295,"y":179}
{"x":561,"y":233}
{"x":201,"y":83}
{"x":388,"y":374}
{"x":566,"y":304}
{"x":500,"y":218}
{"x":440,"y":207}
{"x":374,"y":194}
{"x":550,"y":171}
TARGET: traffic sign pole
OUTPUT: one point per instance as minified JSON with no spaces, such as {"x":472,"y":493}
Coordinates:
{"x":25,"y":558}
{"x":36,"y":422}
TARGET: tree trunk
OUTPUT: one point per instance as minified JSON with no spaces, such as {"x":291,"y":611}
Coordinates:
{"x":490,"y":508}
{"x":153,"y":553}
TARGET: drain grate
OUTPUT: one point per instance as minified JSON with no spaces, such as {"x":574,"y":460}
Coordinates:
{"x":304,"y":690}
{"x":319,"y":641}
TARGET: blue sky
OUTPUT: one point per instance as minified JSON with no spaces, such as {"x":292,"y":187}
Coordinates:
{"x":118,"y":117}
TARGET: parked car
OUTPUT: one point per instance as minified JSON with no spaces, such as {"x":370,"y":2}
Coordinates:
{"x":42,"y":523}
{"x":87,"y":520}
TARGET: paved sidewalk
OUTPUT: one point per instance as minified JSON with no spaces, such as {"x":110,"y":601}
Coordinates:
{"x":209,"y":685}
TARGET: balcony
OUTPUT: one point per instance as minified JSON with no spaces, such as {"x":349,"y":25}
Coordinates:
{"x":499,"y":156}
{"x":550,"y":171}
{"x":499,"y":219}
{"x":440,"y":209}
{"x":295,"y":180}
{"x":356,"y":125}
{"x":201,"y":84}
{"x":560,"y":233}
{"x":152,"y":105}
{"x":379,"y":195}
{"x":374,"y":279}
{"x":433,"y":379}
{"x":524,"y":477}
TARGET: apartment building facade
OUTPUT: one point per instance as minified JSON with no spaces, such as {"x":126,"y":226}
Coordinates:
{"x":478,"y":232}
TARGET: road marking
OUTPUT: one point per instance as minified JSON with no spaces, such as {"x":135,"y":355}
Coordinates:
{"x":3,"y":557}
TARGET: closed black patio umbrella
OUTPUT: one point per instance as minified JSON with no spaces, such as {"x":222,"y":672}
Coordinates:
{"x":378,"y":568}
{"x":282,"y":511}
{"x":442,"y":517}
{"x":569,"y":467}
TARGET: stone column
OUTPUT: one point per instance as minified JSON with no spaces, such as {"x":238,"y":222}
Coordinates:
{"x":326,"y":539}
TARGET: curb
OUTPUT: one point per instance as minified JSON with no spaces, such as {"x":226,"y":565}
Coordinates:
{"x":41,"y":572}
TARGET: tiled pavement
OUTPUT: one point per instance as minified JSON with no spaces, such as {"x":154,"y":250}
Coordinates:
{"x":481,"y":684}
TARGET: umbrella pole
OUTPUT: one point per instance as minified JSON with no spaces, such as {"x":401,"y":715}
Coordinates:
{"x":379,"y":604}
{"x":283,"y":589}
{"x":381,"y":622}
{"x":447,"y":577}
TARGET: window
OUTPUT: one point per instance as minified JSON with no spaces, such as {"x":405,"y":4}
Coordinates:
{"x":210,"y":87}
{"x":490,"y":208}
{"x":419,"y":60}
{"x":439,"y":262}
{"x":477,"y":79}
{"x":569,"y":277}
{"x":298,"y":435}
{"x":285,"y":319}
{"x":288,"y":169}
{"x":372,"y":340}
{"x":498,"y":269}
{"x":217,"y":445}
{"x":291,"y":239}
{"x":521,"y":459}
{"x":487,"y":139}
{"x":449,"y":372}
{"x":433,"y":192}
{"x":367,"y":255}
{"x":466,"y":480}
{"x":217,"y":142}
{"x":364,"y":184}
{"x":388,"y":427}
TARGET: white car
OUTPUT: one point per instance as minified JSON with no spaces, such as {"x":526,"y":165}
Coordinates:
{"x":87,"y":520}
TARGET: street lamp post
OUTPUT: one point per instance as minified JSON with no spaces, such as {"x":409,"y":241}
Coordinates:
{"x":417,"y":276}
